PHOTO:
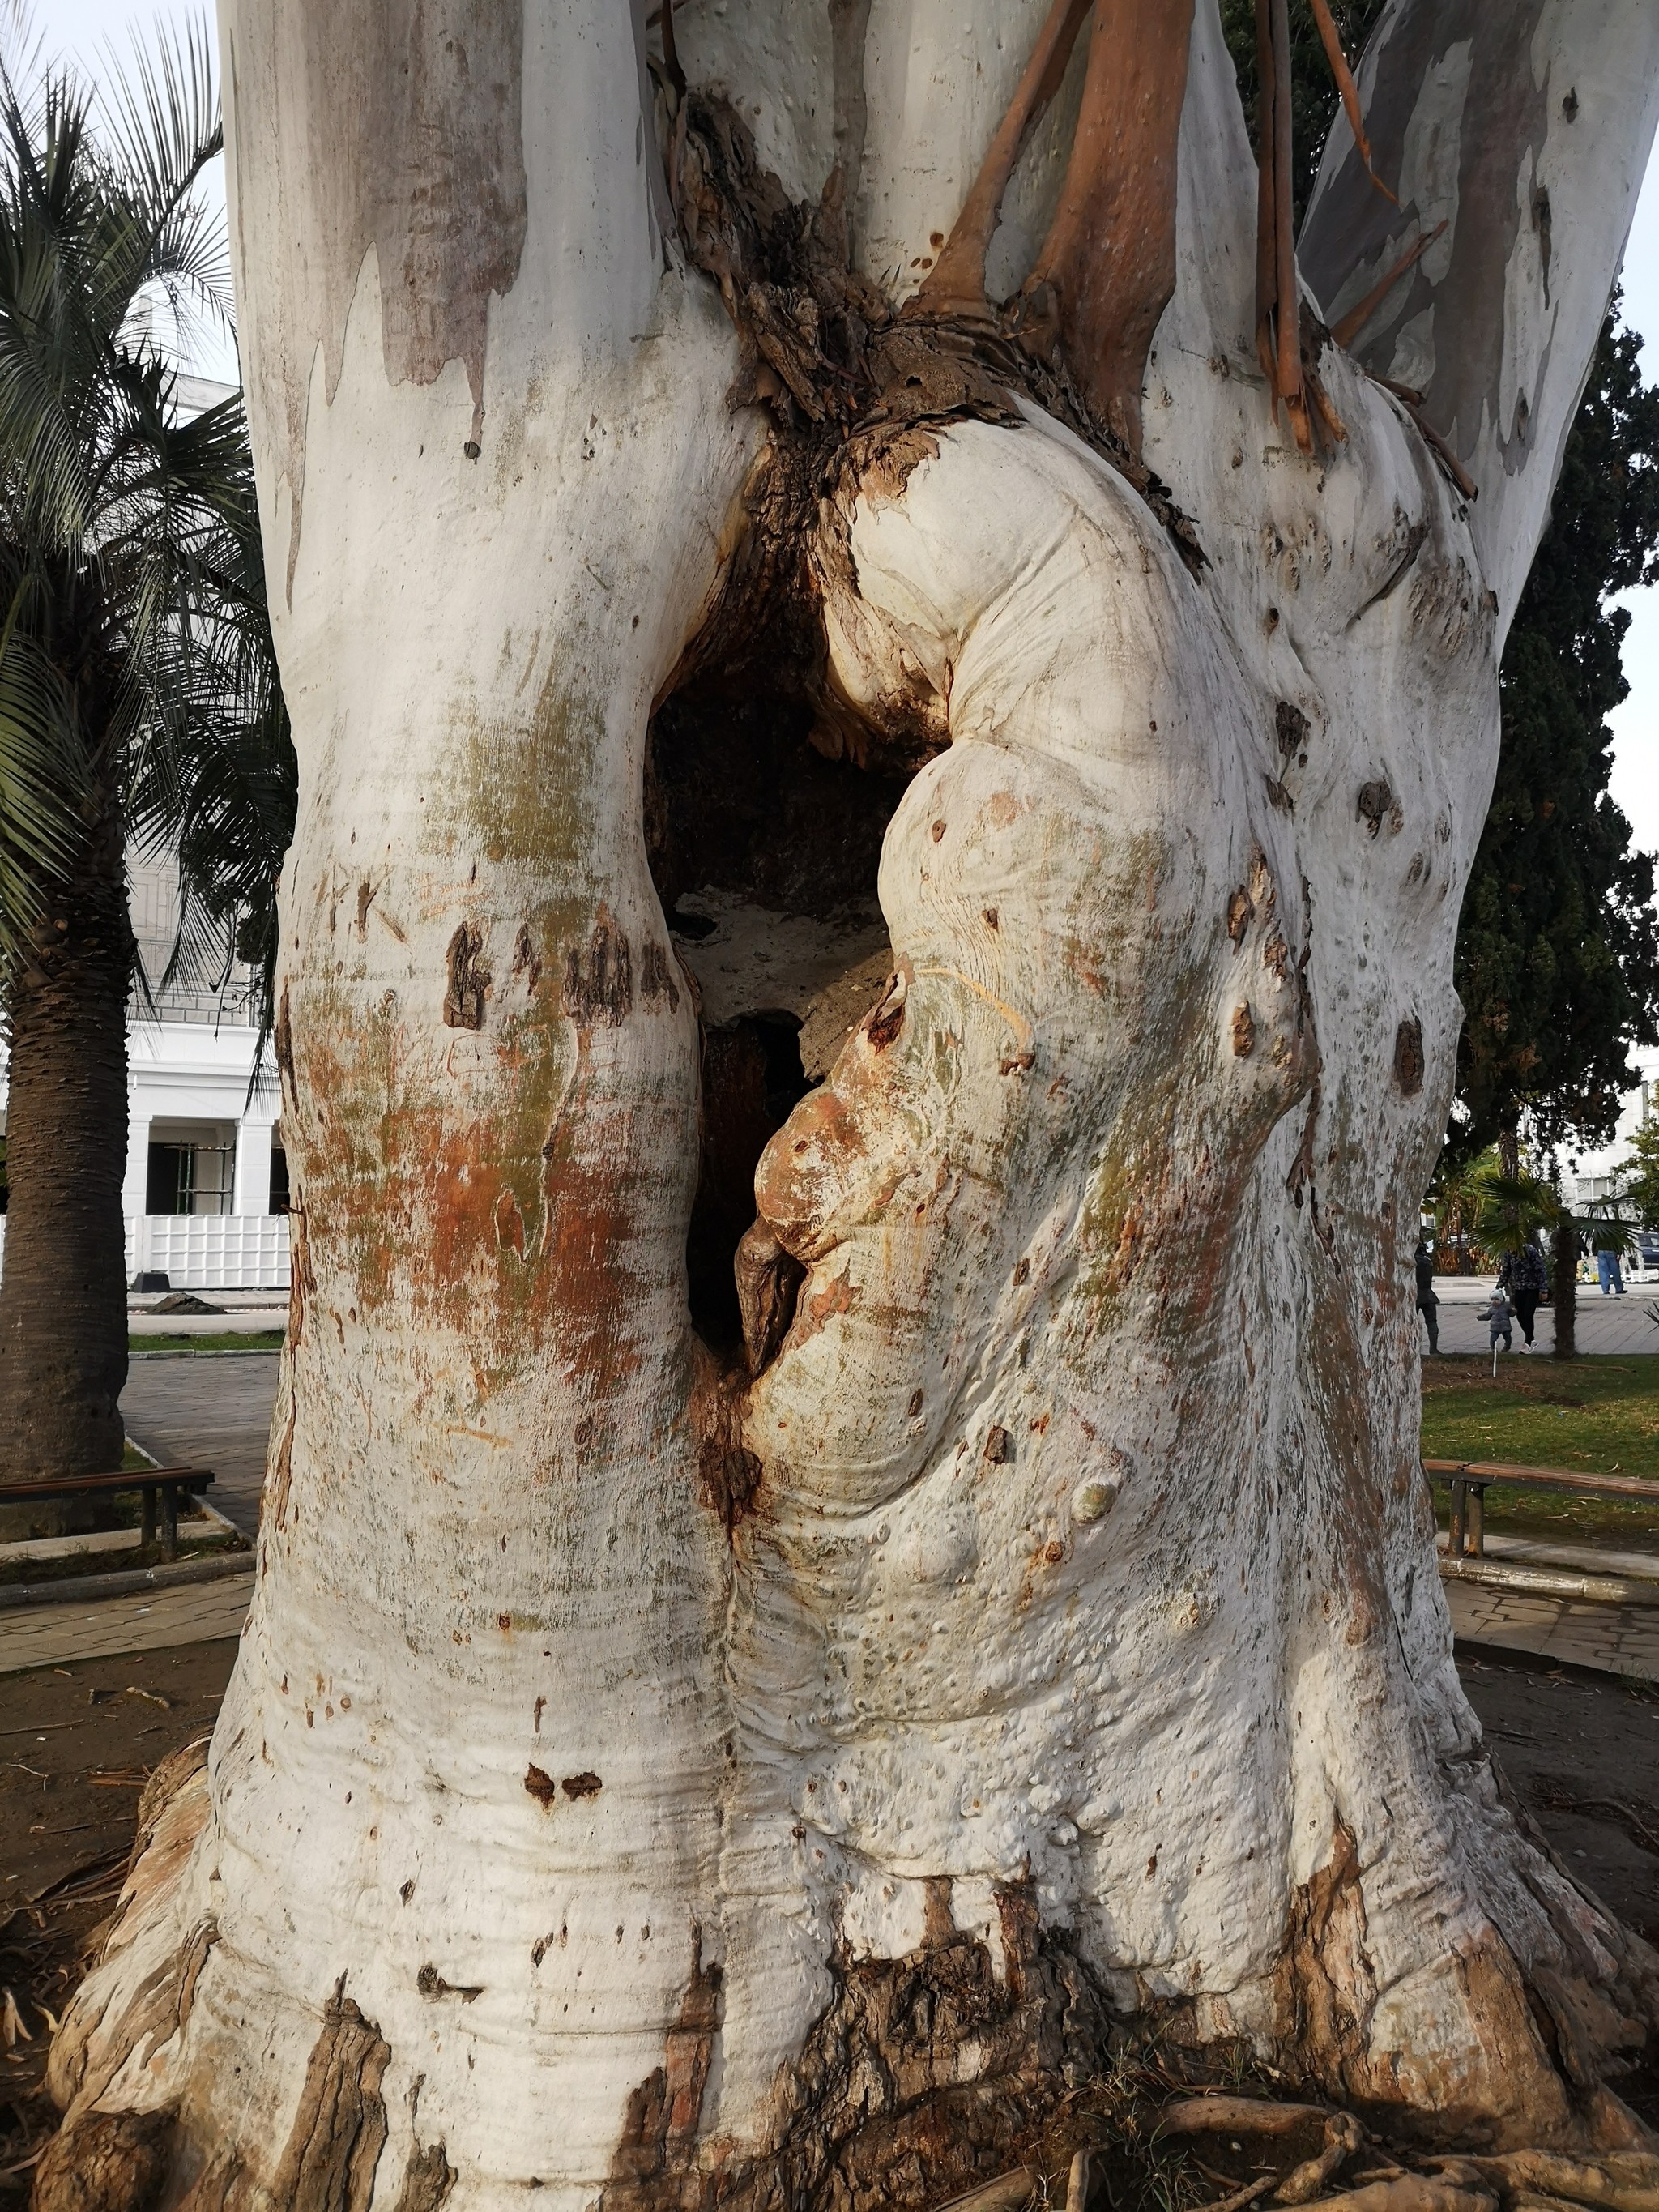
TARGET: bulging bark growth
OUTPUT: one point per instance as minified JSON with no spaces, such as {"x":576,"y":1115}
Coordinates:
{"x":759,"y":1738}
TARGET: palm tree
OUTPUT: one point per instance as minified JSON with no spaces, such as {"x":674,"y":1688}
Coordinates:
{"x":138,"y":697}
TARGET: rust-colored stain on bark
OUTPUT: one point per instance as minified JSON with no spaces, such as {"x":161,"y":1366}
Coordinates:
{"x":524,"y":1207}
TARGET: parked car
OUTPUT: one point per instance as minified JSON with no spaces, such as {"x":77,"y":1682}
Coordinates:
{"x":1644,"y":1260}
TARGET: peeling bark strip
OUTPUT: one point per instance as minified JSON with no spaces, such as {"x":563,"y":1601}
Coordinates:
{"x":657,"y":976}
{"x":428,"y":2180}
{"x":469,"y":980}
{"x":1408,"y":1062}
{"x":956,"y":283}
{"x":651,"y":2169}
{"x":339,"y":2129}
{"x":1110,"y":254}
{"x":1467,"y":106}
{"x":599,"y":978}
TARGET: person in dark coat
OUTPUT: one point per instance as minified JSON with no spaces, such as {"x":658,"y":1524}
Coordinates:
{"x":1525,"y":1277}
{"x":1428,"y":1304}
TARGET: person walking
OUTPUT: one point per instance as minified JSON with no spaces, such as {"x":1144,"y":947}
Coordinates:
{"x":1495,"y":1314}
{"x":1525,"y":1279}
{"x":1609,"y":1274}
{"x":1428,"y":1303}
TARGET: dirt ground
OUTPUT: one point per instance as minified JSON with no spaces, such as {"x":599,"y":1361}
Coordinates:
{"x":76,"y":1744}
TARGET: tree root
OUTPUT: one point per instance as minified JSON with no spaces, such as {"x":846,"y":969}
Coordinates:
{"x":1512,"y":2181}
{"x":108,"y":2159}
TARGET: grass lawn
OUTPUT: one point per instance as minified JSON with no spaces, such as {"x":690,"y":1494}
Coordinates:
{"x":259,"y":1340}
{"x":1599,"y":1414}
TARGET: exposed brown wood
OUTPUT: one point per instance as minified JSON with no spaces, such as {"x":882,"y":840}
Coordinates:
{"x":1226,"y":2115}
{"x":1267,"y":282}
{"x":1110,"y":253}
{"x":1287,"y":320}
{"x":1349,"y":91}
{"x":956,"y":283}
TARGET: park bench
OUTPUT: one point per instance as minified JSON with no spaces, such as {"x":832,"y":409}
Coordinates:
{"x":1470,"y":1480}
{"x":167,"y":1483}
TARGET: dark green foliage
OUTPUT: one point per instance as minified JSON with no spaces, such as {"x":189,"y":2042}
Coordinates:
{"x":1558,"y":948}
{"x":1313,"y":89}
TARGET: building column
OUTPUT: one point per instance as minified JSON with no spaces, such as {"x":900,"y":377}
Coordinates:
{"x":135,"y":1187}
{"x":251,"y":1193}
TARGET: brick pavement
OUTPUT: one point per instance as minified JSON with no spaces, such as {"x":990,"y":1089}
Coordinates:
{"x":189,"y":1410}
{"x":148,"y":1620}
{"x":1608,"y":1326}
{"x":1616,"y":1640}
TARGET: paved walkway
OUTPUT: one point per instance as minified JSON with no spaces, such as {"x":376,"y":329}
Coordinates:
{"x":150,"y":1620}
{"x":1608,"y":1326}
{"x":191,"y":1411}
{"x":1619,"y":1639}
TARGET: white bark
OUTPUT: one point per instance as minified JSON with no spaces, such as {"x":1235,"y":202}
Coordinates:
{"x":1526,"y":130}
{"x":1090,"y":1571}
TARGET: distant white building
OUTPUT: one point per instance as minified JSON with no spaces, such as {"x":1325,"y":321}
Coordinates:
{"x":205,"y":1192}
{"x":1586,"y":1176}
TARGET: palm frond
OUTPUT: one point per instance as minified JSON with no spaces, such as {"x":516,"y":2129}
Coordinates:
{"x":129,"y":538}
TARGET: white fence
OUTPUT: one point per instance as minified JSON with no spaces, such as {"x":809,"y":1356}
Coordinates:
{"x":205,"y":1251}
{"x":210,"y":1251}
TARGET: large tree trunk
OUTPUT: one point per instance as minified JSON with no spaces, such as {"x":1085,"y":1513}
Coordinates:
{"x":758,"y":1761}
{"x":63,"y":1301}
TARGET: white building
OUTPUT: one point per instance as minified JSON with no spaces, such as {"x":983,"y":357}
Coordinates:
{"x":1589,"y":1176}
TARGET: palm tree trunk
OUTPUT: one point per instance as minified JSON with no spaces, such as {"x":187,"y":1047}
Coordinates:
{"x":62,"y":1307}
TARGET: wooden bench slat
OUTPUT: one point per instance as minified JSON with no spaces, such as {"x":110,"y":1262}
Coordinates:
{"x":82,"y":1485}
{"x":1541,"y":1477}
{"x":1553,"y":1477}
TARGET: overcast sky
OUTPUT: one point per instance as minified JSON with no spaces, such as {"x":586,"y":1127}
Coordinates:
{"x":87,"y":30}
